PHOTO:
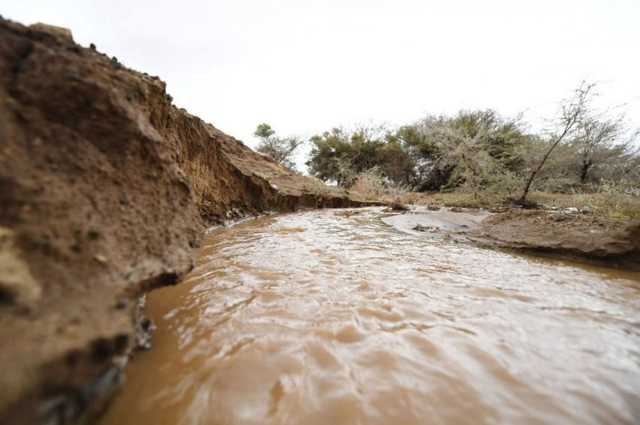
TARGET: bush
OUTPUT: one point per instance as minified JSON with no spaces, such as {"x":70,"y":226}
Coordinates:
{"x":373,"y":186}
{"x":480,"y":151}
{"x":475,"y":149}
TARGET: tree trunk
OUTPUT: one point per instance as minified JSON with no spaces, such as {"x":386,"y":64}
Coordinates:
{"x":527,"y":187}
{"x":569,"y":125}
{"x":584,"y":171}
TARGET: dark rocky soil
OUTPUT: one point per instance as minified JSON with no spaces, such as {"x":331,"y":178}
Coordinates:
{"x":105,"y":191}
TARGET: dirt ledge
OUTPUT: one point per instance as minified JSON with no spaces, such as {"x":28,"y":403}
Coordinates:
{"x":571,"y":235}
{"x":105,"y":191}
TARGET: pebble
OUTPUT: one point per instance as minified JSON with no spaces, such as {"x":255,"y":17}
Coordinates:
{"x":100,"y":258}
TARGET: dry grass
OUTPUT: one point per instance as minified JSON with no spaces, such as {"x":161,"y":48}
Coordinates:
{"x":456,"y":199}
{"x":610,"y":205}
{"x":371,"y":187}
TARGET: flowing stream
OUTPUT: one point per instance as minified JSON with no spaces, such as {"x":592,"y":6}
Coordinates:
{"x":345,"y":317}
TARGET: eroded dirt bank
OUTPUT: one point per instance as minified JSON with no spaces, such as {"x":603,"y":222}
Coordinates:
{"x":567,"y":233}
{"x":564,"y":234}
{"x":105,"y":191}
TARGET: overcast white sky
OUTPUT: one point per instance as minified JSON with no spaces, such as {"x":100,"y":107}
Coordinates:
{"x":305,"y":66}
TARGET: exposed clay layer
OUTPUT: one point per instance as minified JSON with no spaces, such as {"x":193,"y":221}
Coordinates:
{"x":579,"y":236}
{"x":105,"y":190}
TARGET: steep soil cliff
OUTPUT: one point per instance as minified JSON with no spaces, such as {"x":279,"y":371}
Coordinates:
{"x":105,"y":190}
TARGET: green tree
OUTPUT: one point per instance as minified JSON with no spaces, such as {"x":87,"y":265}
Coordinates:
{"x":472,"y":148}
{"x":279,"y":149}
{"x":602,"y":142}
{"x":339,"y":155}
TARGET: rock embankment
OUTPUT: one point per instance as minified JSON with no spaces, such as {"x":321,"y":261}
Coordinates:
{"x":105,"y":191}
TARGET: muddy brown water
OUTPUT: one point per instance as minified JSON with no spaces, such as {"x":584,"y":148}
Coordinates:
{"x":337,"y":317}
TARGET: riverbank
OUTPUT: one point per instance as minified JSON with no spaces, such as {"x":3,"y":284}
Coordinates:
{"x":615,"y":206}
{"x":602,"y":228}
{"x":106,"y":189}
{"x":565,"y":234}
{"x":562,"y":233}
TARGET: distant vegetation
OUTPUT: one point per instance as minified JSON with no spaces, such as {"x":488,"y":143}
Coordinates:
{"x":586,"y":150}
{"x":277,"y":148}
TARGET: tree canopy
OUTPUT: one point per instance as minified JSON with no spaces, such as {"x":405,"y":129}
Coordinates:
{"x":481,"y":150}
{"x":279,"y":149}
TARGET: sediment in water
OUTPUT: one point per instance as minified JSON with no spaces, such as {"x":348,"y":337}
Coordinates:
{"x":105,"y":191}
